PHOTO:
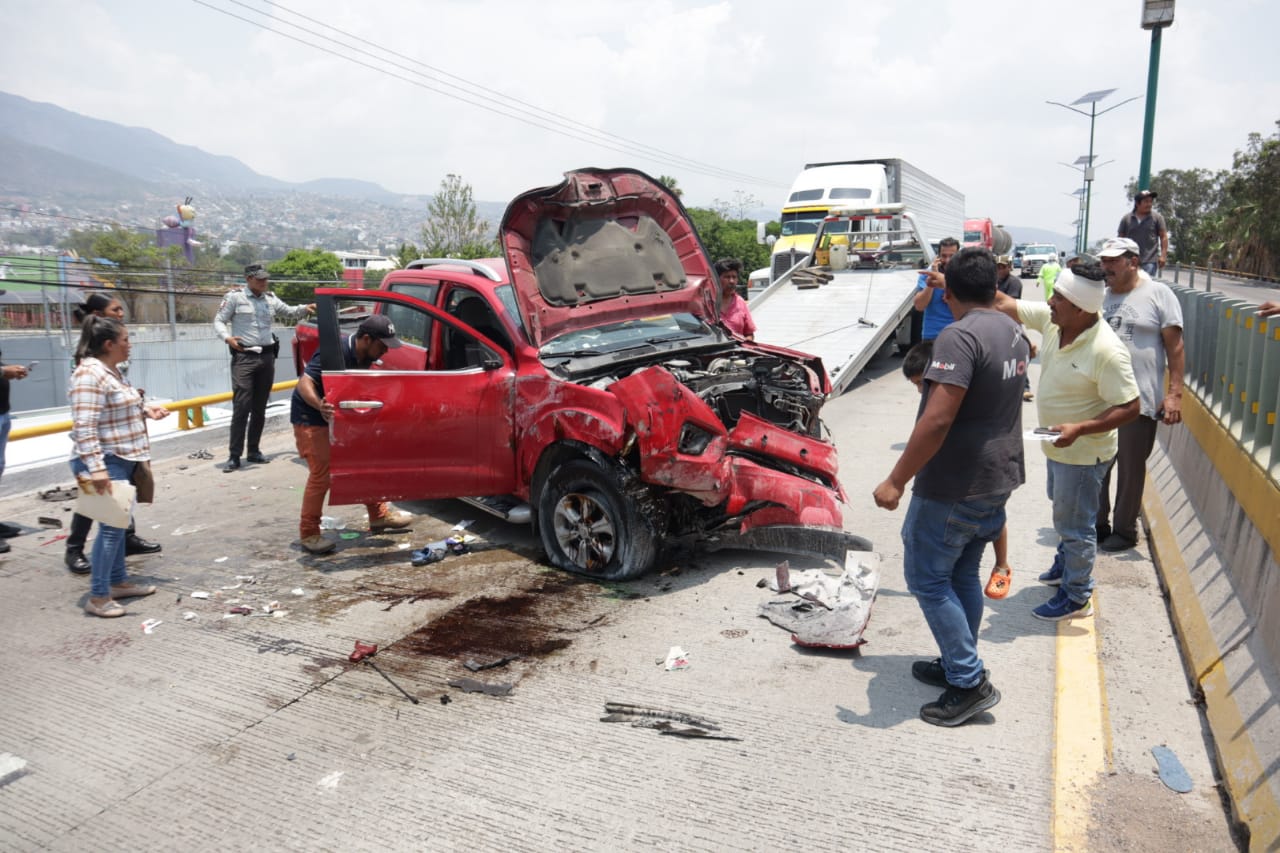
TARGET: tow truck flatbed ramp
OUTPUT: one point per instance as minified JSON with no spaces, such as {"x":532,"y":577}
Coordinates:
{"x":847,"y":320}
{"x":832,"y":321}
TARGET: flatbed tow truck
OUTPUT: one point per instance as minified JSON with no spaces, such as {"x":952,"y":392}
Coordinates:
{"x":846,"y":303}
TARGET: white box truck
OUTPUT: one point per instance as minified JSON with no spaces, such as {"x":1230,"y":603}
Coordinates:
{"x":938,"y":208}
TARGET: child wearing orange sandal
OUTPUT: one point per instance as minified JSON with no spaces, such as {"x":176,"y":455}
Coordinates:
{"x":913,"y":367}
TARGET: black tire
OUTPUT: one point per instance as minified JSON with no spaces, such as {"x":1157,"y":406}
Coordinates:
{"x":589,"y":527}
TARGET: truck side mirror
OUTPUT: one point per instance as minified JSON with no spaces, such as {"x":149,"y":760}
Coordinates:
{"x":760,"y":235}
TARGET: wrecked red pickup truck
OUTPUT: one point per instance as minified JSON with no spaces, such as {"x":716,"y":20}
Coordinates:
{"x":583,"y":385}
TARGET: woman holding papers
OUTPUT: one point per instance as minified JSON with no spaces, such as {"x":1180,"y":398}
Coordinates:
{"x":110,"y":438}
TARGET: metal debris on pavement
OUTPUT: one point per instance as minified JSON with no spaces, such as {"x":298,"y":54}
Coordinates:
{"x":470,"y":685}
{"x":663,"y":720}
{"x":46,"y":521}
{"x":472,"y":665}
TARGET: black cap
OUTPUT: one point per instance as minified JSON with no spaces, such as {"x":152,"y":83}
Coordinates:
{"x":379,"y":326}
{"x":256,"y":271}
{"x":1145,"y":194}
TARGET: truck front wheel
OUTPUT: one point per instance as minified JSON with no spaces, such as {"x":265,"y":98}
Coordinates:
{"x":588,"y":526}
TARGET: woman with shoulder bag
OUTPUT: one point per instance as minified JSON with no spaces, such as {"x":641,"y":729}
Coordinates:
{"x":102,"y":305}
{"x":109,"y":434}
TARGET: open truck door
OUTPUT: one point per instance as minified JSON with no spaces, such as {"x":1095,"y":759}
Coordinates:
{"x":422,"y":424}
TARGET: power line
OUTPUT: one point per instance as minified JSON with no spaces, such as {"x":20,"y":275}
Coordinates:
{"x":532,"y":109}
{"x":535,"y":120}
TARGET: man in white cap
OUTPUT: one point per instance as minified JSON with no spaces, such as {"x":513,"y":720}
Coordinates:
{"x":1146,"y":228}
{"x":1146,"y":315}
{"x":1087,"y":391}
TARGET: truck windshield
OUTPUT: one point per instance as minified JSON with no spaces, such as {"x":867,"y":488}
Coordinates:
{"x":973,"y":237}
{"x":801,"y":223}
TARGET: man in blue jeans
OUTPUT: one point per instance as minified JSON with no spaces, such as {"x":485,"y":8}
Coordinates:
{"x":1087,"y":391}
{"x":965,"y":454}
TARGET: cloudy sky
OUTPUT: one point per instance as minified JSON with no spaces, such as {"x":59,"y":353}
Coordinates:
{"x":730,"y":97}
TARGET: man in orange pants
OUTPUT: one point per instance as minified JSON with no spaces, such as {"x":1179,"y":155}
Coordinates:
{"x":310,"y":415}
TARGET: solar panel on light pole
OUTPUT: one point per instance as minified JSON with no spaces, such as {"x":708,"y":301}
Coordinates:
{"x":1090,"y":98}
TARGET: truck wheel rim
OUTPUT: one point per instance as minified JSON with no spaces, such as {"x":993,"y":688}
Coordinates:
{"x":584,"y":531}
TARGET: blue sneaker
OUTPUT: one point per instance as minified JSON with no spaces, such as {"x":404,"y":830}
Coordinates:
{"x":1053,"y":577}
{"x":1061,"y":607}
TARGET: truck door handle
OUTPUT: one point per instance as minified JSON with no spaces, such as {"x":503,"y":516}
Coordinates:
{"x":360,"y":404}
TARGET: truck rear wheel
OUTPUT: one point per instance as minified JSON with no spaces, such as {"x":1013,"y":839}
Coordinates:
{"x":588,"y":526}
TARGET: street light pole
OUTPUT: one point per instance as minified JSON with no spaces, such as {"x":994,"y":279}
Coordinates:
{"x":1090,"y":98}
{"x":1156,"y":15}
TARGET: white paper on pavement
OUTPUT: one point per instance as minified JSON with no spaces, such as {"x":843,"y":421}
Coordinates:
{"x":113,"y":510}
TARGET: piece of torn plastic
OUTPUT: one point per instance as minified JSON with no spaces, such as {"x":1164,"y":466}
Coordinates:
{"x":150,"y":625}
{"x":328,"y":522}
{"x":470,"y":685}
{"x":298,"y":591}
{"x":349,"y":534}
{"x":472,"y":665}
{"x":834,"y":609}
{"x":331,"y":781}
{"x":220,"y":559}
{"x":1172,"y":773}
{"x":677,"y":658}
{"x":199,"y":594}
{"x":189,"y":615}
{"x":433,"y":552}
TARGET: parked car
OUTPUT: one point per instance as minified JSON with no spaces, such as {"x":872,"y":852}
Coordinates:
{"x":582,"y":384}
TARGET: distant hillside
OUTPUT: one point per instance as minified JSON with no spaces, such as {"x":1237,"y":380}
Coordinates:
{"x":135,"y":151}
{"x":1026,"y":234}
{"x":347,"y":187}
{"x":34,"y":170}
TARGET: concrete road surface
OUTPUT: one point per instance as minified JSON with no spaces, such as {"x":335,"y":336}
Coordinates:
{"x":219,"y":731}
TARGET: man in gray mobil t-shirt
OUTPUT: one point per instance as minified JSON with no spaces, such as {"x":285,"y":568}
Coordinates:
{"x":965,"y":454}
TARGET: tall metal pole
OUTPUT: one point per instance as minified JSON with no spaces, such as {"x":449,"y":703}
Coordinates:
{"x":1149,"y":123}
{"x":1088,"y":177}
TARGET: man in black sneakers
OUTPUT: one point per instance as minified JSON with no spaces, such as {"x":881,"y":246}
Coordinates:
{"x":965,"y":454}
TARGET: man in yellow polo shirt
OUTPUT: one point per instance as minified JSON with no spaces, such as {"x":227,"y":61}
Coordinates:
{"x":1087,"y":391}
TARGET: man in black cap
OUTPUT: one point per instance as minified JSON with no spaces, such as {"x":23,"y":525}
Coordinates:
{"x":244,"y":322}
{"x":310,"y":414}
{"x":1146,"y":228}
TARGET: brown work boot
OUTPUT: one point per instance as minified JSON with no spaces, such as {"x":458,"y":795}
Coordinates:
{"x":317,"y":544}
{"x":391,"y":521}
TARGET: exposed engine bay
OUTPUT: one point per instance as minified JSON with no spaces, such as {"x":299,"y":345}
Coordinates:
{"x":779,"y":390}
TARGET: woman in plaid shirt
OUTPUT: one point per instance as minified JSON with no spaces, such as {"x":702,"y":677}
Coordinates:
{"x":110,"y":439}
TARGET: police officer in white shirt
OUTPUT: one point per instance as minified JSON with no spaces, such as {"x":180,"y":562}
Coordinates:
{"x":244,"y":322}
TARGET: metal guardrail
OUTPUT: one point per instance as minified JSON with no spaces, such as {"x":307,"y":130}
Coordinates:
{"x":1207,"y":273}
{"x":1233,"y":366}
{"x":190,"y":413}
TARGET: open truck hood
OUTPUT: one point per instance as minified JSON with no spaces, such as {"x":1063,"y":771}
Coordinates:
{"x":604,"y":246}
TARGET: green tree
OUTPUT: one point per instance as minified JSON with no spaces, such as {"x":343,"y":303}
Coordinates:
{"x":1247,"y":228}
{"x":729,"y":238}
{"x":1188,"y":199}
{"x":296,"y":275}
{"x":671,"y":184}
{"x":454,"y":228}
{"x":408,"y":252}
